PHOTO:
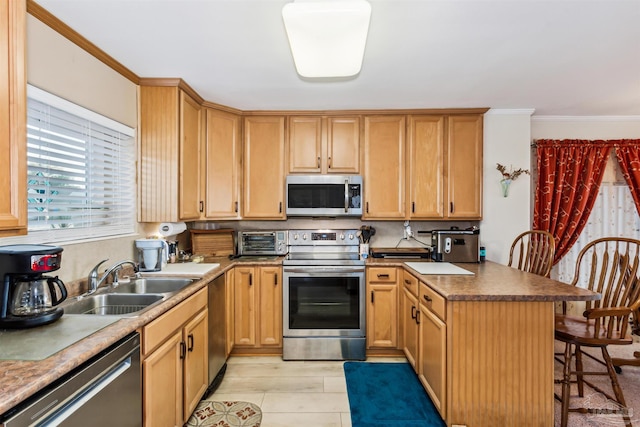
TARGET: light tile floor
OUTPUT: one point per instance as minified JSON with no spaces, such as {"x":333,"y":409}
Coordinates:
{"x":292,"y":393}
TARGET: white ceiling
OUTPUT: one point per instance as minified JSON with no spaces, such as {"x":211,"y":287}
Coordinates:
{"x":559,"y":57}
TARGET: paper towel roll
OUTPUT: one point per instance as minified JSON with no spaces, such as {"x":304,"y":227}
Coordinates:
{"x":171,"y":228}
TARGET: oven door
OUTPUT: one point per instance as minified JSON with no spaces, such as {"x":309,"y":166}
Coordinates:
{"x":323,"y":301}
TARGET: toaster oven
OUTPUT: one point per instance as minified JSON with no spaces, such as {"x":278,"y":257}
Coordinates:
{"x":455,"y":245}
{"x":262,"y":242}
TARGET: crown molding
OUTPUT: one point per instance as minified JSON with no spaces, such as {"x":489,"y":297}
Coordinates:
{"x":510,"y":111}
{"x":586,"y":118}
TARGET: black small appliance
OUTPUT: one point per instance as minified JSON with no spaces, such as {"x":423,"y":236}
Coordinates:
{"x":27,"y":297}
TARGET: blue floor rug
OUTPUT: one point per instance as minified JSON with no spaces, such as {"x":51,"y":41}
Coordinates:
{"x":388,"y":395}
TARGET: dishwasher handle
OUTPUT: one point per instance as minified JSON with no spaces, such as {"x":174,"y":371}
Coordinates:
{"x":88,"y":394}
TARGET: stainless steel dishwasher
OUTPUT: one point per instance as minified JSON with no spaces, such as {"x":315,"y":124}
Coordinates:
{"x":217,"y":334}
{"x":105,"y":391}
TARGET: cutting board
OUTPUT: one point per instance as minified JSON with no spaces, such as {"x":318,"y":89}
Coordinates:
{"x":439,"y":268}
{"x":193,"y":269}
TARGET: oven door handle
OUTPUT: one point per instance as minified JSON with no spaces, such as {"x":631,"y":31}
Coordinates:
{"x":312,"y":270}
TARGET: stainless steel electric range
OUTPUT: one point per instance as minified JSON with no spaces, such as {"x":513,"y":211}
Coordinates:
{"x":323,"y":296}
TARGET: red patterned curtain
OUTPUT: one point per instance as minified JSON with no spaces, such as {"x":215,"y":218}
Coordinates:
{"x":628,"y":154}
{"x":569,"y":176}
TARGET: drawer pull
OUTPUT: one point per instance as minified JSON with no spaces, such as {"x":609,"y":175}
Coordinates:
{"x":427,"y":298}
{"x":383,"y":276}
{"x":275,"y":279}
{"x":407,"y":281}
{"x":413,"y":312}
{"x":371,"y":296}
{"x":190,"y":340}
{"x":250,"y":279}
{"x":418,"y":317}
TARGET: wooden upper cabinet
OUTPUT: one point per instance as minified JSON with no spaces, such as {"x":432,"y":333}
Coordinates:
{"x":169,"y":165}
{"x":190,"y":131}
{"x":463,"y":199}
{"x":324,"y":144}
{"x":263,"y":179}
{"x":384,"y":170}
{"x":221,"y":171}
{"x":425,"y":175}
{"x":13,"y":115}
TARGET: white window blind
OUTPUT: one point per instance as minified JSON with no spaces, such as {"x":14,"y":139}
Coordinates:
{"x":81,"y":172}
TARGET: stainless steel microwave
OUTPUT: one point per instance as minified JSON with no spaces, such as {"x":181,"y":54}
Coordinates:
{"x":324,"y":195}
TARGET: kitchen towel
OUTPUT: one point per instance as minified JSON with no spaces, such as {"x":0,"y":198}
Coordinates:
{"x":171,"y":228}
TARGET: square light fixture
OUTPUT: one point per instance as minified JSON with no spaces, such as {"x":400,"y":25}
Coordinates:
{"x":327,"y":37}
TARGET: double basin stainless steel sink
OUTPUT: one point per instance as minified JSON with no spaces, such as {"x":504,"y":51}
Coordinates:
{"x":127,"y":299}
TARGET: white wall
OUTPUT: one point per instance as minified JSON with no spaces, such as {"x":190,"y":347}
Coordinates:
{"x":58,"y":66}
{"x":604,"y":127}
{"x":507,"y":140}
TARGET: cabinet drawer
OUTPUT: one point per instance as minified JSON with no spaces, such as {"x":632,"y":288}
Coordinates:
{"x":158,"y":330}
{"x":381,"y":275}
{"x":410,"y":282}
{"x":435,"y":302}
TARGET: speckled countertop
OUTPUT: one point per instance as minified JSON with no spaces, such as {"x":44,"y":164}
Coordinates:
{"x":495,"y":282}
{"x":19,"y":379}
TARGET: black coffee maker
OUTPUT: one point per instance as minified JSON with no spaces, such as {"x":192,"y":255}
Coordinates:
{"x":27,"y":297}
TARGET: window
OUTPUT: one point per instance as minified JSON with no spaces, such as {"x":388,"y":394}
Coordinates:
{"x":81,"y":172}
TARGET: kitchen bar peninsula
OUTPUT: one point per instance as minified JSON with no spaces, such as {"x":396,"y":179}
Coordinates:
{"x":490,"y":341}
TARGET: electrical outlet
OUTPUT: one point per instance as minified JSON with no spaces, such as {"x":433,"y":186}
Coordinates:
{"x":407,"y":233}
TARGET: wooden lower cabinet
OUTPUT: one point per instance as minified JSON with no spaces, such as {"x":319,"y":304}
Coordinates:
{"x":409,"y":326}
{"x":432,"y":357}
{"x":382,"y":307}
{"x":257,"y":307}
{"x":175,"y":363}
{"x":483,"y":363}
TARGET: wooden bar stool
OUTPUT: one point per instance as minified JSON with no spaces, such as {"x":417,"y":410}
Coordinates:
{"x":609,"y":266}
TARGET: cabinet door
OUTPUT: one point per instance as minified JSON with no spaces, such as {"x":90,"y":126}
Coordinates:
{"x":343,"y":145}
{"x":426,"y":162}
{"x":382,"y":316}
{"x":305,"y":144}
{"x":189,"y":178}
{"x":230,"y":310}
{"x":13,"y":114}
{"x":270,"y":312}
{"x":410,"y":327}
{"x":162,"y":385}
{"x":464,"y":167}
{"x":263,"y":167}
{"x":222,"y":151}
{"x":244,"y":306}
{"x":384,"y":173}
{"x":196,"y":362}
{"x":432,"y":357}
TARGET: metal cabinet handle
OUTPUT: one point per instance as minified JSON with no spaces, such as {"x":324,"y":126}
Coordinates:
{"x":450,"y":207}
{"x":413,"y":207}
{"x":329,"y":165}
{"x":183,"y":350}
{"x":413,"y":312}
{"x":275,"y":280}
{"x":367,"y":207}
{"x":201,"y":206}
{"x":383,"y":276}
{"x":371,"y":296}
{"x":250,"y":279}
{"x":236,"y":207}
{"x":427,"y":298}
{"x":318,"y":162}
{"x":407,"y":281}
{"x":190,"y":340}
{"x":417,"y":317}
{"x":280,"y":208}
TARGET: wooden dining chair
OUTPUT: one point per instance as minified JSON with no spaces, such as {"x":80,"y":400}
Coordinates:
{"x":533,"y":252}
{"x":610,"y":267}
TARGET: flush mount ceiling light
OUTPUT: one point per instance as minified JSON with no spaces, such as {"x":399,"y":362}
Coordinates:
{"x":327,"y":37}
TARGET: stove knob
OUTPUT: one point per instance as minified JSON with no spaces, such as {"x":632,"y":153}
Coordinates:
{"x":304,"y":237}
{"x":295,"y":236}
{"x":350,"y":236}
{"x":341,"y":236}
